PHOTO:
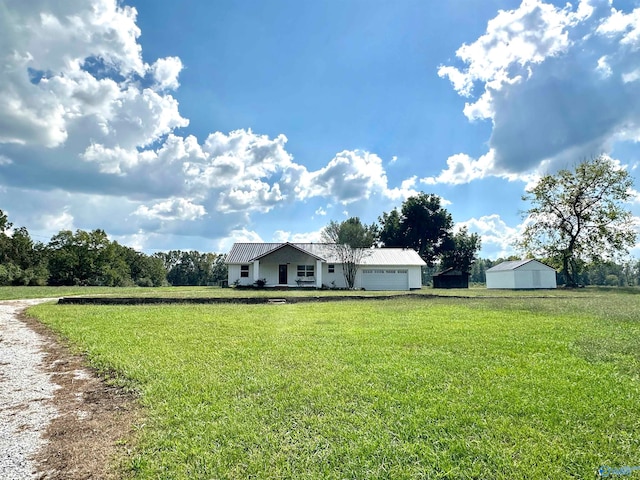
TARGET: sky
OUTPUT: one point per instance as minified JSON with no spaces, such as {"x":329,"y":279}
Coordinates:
{"x":195,"y":124}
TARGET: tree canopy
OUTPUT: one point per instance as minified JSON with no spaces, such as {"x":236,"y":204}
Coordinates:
{"x":465,"y":247}
{"x":579,"y":216}
{"x":350,"y":241}
{"x":91,"y":258}
{"x":422,"y":224}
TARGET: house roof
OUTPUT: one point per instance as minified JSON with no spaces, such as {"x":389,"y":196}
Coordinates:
{"x":309,"y":251}
{"x":249,"y":252}
{"x":450,"y":272}
{"x":515,"y":264}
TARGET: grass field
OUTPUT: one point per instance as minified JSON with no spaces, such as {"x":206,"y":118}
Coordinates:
{"x":507,"y":388}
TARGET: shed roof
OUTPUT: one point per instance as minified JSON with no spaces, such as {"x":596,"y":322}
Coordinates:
{"x":249,"y":252}
{"x":515,"y":264}
{"x":450,"y":272}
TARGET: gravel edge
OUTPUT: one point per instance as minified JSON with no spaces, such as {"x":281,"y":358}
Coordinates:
{"x":26,"y":391}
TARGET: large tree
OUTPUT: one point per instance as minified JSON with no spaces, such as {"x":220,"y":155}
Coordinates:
{"x":578,"y":216}
{"x":22,"y":262}
{"x":350,"y":241}
{"x":463,"y":254}
{"x":422,"y":224}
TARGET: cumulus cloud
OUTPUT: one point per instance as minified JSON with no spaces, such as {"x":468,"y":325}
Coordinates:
{"x":461,"y":168}
{"x":283,"y":236}
{"x":65,"y":62}
{"x":166,"y":72}
{"x":173,"y":209}
{"x":497,"y":237}
{"x":352,"y":175}
{"x":558,"y":84}
{"x":88,"y":126}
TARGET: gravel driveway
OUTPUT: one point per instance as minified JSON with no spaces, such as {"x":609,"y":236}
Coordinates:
{"x":26,"y":391}
{"x":58,"y":419}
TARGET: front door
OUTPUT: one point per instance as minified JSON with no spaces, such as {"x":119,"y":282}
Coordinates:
{"x":282,"y":274}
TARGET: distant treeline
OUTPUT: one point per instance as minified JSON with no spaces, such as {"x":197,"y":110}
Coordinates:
{"x":91,"y":259}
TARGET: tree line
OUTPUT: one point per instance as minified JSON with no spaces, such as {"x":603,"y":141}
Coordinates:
{"x":91,"y":259}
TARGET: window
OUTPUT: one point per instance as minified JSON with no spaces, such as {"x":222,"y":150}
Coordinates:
{"x":331,"y":268}
{"x":244,"y":271}
{"x":305,"y":270}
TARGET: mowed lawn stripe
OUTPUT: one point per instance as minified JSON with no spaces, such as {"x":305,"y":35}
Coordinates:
{"x":403,"y":388}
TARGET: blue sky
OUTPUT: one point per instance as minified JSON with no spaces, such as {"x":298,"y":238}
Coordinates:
{"x":194,"y":124}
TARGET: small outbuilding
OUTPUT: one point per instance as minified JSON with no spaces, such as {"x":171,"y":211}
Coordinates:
{"x":521,"y":274}
{"x":451,"y":278}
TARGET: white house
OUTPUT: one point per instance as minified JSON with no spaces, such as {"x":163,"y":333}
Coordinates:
{"x":521,"y":274}
{"x":315,"y":265}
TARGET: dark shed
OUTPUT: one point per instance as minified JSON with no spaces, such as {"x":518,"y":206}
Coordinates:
{"x":451,"y":278}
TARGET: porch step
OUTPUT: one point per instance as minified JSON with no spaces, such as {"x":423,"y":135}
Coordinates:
{"x":277,"y":301}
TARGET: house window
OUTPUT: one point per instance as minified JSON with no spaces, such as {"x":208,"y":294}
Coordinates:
{"x":331,"y":267}
{"x":244,"y":271}
{"x":305,"y":270}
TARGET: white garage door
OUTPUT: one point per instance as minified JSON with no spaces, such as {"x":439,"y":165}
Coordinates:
{"x":387,"y":279}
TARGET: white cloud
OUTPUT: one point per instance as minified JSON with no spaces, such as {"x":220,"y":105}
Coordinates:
{"x":635,"y":196}
{"x":525,"y":36}
{"x":348,"y":177}
{"x":241,"y":235}
{"x":497,"y":237}
{"x":172,"y":209}
{"x":351,"y":176}
{"x":405,"y":190}
{"x":558,"y":85}
{"x":54,"y":54}
{"x":308,"y":237}
{"x":166,"y":72}
{"x":55,"y":223}
{"x":625,"y":27}
{"x":461,"y":168}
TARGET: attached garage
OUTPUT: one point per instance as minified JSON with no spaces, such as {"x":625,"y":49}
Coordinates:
{"x":521,"y":274}
{"x":385,"y":279}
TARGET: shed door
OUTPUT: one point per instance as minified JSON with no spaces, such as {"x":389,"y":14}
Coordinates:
{"x":385,"y":279}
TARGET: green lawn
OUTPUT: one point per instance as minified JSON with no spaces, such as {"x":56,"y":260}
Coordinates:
{"x":517,"y":387}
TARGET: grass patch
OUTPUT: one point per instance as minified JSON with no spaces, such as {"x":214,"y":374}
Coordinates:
{"x":503,"y":388}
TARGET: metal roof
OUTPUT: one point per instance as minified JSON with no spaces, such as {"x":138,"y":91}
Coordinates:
{"x":248,"y":252}
{"x":514,"y":264}
{"x":393,"y":256}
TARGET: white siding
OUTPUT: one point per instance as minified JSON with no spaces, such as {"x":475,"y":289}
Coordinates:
{"x":233,"y":274}
{"x":529,"y":274}
{"x":505,"y":279}
{"x":415,"y":277}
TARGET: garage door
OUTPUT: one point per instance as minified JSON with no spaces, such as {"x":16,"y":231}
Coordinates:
{"x":387,"y":279}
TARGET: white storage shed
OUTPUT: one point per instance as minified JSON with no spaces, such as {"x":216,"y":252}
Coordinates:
{"x":521,"y":274}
